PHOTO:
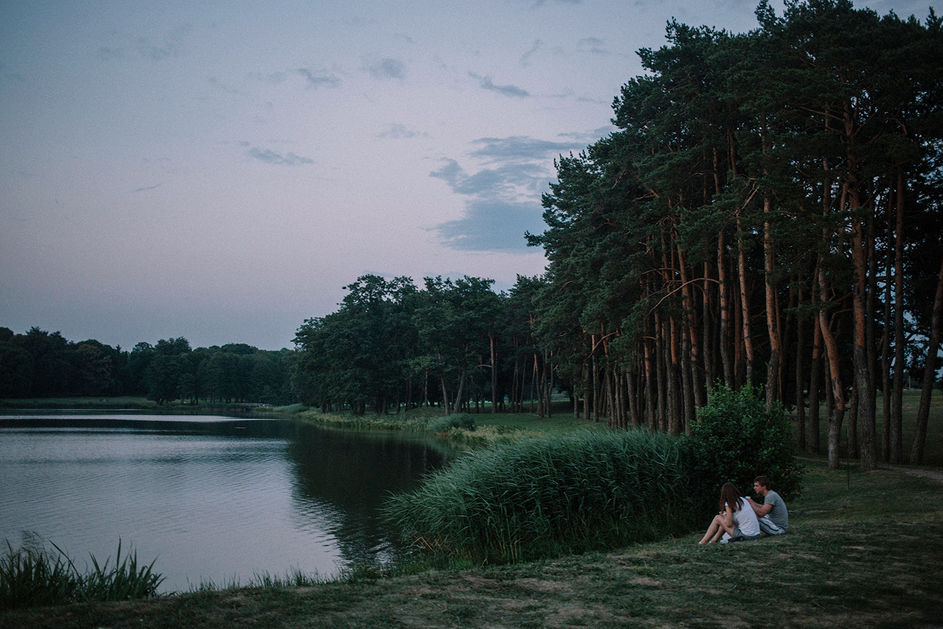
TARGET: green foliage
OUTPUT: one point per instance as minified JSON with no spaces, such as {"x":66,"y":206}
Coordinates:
{"x":35,"y":576}
{"x":547,"y":496}
{"x":737,"y":439}
{"x":460,"y":420}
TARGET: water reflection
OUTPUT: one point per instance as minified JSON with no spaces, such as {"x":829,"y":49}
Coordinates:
{"x":213,"y":498}
{"x":352,"y":474}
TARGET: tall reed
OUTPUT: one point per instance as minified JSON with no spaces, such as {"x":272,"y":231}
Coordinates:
{"x":32,"y":576}
{"x":550,"y":495}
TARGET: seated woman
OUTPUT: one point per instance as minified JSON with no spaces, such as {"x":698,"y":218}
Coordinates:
{"x":736,"y":520}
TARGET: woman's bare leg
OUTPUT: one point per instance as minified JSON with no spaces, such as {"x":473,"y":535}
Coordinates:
{"x":714,"y":531}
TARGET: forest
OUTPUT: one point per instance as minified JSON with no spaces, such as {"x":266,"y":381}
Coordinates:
{"x":767,"y":212}
{"x":40,"y":364}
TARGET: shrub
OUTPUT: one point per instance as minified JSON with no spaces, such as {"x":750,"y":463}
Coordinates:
{"x":550,"y":495}
{"x":444,"y":424}
{"x":737,"y":439}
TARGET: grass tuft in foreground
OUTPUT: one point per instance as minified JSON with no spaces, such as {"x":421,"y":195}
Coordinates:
{"x":36,"y":576}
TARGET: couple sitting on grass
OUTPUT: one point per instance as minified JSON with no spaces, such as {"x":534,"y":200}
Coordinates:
{"x":743,"y":519}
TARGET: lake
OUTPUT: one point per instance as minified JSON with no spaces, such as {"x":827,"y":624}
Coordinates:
{"x":216,"y":500}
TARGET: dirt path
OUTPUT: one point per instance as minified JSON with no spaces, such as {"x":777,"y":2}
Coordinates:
{"x":936,"y":475}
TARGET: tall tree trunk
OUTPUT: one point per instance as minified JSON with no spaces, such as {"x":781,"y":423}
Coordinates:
{"x":707,"y":328}
{"x":815,"y":373}
{"x":773,"y":326}
{"x":800,"y":397}
{"x":650,"y":382}
{"x":744,"y":304}
{"x":445,"y":394}
{"x":587,"y":384}
{"x":460,"y":395}
{"x":834,"y":368}
{"x":897,"y":400}
{"x":862,"y":368}
{"x":494,"y":374}
{"x":674,"y":371}
{"x":929,"y":374}
{"x":661,"y":373}
{"x":725,"y":348}
{"x":886,"y":365}
{"x":693,"y":387}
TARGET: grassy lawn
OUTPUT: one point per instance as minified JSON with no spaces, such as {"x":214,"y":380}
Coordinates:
{"x":863,"y":548}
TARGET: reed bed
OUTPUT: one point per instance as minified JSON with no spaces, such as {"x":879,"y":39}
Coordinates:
{"x":31,"y":576}
{"x":549,"y":496}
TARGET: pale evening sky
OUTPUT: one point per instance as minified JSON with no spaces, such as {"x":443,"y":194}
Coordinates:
{"x":220,"y":170}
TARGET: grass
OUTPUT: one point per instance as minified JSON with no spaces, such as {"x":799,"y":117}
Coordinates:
{"x":863,"y":549}
{"x":910,"y":402}
{"x":548,"y":496}
{"x":37,"y":576}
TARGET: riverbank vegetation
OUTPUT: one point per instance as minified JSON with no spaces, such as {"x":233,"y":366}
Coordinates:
{"x":864,"y":548}
{"x":551,"y":495}
{"x":31,"y":577}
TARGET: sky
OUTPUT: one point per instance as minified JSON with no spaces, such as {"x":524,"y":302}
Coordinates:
{"x":219,"y":171}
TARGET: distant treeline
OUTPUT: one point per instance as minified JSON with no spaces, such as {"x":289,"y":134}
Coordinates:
{"x":40,"y":364}
{"x":768,"y":212}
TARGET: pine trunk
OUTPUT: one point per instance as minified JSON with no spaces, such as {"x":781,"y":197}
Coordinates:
{"x":929,"y":374}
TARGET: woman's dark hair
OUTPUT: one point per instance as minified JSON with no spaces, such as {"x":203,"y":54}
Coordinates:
{"x":730,"y":496}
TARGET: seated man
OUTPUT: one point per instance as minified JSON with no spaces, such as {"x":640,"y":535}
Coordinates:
{"x":772,"y":514}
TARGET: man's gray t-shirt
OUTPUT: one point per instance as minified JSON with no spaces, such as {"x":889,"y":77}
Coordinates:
{"x":778,"y":514}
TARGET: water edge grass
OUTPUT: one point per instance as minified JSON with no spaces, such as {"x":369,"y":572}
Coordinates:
{"x":32,"y":576}
{"x":548,"y":496}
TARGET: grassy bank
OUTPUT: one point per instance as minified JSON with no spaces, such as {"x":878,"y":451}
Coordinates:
{"x":864,"y":548}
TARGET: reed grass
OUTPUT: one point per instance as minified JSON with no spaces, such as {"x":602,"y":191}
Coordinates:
{"x":548,"y":496}
{"x":33,"y":575}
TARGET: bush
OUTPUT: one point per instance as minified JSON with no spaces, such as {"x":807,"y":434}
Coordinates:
{"x":550,"y":495}
{"x":737,"y":439}
{"x":444,"y":424}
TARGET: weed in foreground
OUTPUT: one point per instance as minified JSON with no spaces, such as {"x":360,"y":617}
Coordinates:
{"x":32,"y":576}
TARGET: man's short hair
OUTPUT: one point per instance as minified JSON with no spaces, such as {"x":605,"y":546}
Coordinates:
{"x":762,"y":480}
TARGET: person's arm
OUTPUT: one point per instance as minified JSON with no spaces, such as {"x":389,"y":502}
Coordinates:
{"x":760,"y":510}
{"x":728,"y":518}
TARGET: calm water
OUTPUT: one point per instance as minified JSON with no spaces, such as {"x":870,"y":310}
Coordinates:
{"x":214,"y":499}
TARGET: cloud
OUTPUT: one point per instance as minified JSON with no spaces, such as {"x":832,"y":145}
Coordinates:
{"x":525,"y":58}
{"x":503,"y":198}
{"x":592,"y":45}
{"x":169,"y":47}
{"x":319,"y":78}
{"x":509,"y":181}
{"x":540,"y":3}
{"x":492,"y":225}
{"x":386,"y":68}
{"x":513,"y":91}
{"x":522,"y":148}
{"x":277,"y":159}
{"x":400,"y":132}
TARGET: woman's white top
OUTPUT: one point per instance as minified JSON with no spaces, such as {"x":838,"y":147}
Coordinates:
{"x":746,"y":520}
